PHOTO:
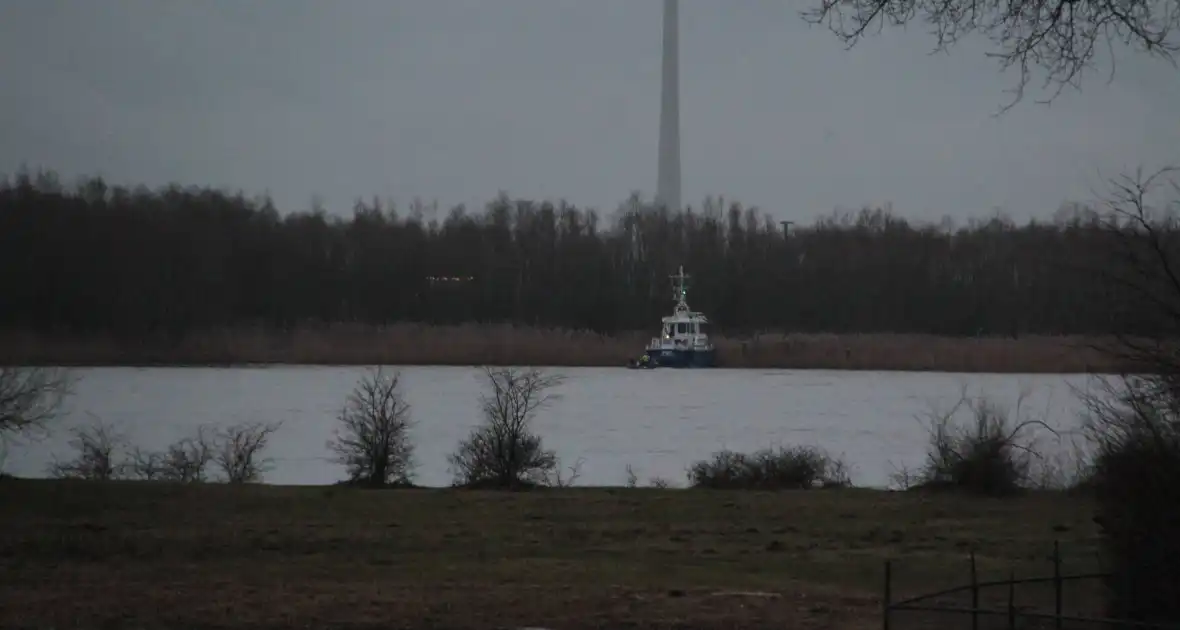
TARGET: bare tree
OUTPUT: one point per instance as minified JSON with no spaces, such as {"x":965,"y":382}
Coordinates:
{"x":146,"y":465}
{"x":1133,"y":424}
{"x":238,"y":451}
{"x":1058,"y":37}
{"x":503,"y":451}
{"x":372,"y":441}
{"x":1141,"y":273}
{"x":187,"y":460}
{"x":98,"y":448}
{"x":30,"y":397}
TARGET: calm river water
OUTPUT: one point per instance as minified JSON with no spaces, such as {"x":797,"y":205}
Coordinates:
{"x":657,"y":421}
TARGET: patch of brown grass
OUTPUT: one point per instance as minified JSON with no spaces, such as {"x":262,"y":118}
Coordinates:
{"x":136,"y":554}
{"x":409,"y":344}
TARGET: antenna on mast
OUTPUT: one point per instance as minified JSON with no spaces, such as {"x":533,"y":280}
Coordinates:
{"x":680,"y":289}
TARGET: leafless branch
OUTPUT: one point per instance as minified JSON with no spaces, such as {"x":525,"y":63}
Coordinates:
{"x":187,"y":460}
{"x":1133,"y":421}
{"x":566,"y":480}
{"x":144,"y":464}
{"x":986,"y":455}
{"x":1141,"y":274}
{"x":372,"y":439}
{"x":97,"y":447}
{"x":503,"y":451}
{"x":30,"y":397}
{"x":239,"y":448}
{"x":903,"y":477}
{"x":1057,"y":37}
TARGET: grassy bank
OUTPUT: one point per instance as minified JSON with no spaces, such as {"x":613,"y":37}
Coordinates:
{"x":139,"y":554}
{"x":504,"y":345}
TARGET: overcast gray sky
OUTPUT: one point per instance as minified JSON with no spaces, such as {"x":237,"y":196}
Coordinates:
{"x":455,"y":100}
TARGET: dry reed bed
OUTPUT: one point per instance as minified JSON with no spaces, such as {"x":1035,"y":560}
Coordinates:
{"x":470,"y":344}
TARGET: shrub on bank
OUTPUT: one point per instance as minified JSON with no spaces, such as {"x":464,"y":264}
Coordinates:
{"x":372,"y":438}
{"x":1135,"y":429}
{"x":790,"y":467}
{"x":98,"y":448}
{"x":992,"y":453}
{"x":102,"y":454}
{"x":988,"y":455}
{"x":504,"y":452}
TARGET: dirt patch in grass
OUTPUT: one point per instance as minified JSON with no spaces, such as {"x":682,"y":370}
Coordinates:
{"x":133,"y":554}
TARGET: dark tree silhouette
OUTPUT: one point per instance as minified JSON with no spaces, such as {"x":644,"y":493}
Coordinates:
{"x":136,"y":264}
{"x":1134,"y":421}
{"x":372,"y":438}
{"x":1132,"y":275}
{"x":30,"y":398}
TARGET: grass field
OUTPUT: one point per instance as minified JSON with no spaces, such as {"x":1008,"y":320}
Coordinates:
{"x":408,"y":344}
{"x":136,"y":554}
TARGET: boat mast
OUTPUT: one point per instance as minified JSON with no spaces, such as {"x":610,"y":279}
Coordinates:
{"x":680,"y":290}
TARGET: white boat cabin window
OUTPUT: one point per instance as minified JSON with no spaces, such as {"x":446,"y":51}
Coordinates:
{"x":678,"y":329}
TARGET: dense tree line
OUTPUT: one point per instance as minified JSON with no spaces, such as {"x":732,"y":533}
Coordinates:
{"x":101,"y":259}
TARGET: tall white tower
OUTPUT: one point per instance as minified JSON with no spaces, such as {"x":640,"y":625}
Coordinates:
{"x":668,"y":184}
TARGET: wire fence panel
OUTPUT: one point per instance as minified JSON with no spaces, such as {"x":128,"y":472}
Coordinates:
{"x":1052,"y":601}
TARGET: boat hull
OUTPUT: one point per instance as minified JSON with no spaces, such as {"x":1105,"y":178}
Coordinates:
{"x":683,"y":358}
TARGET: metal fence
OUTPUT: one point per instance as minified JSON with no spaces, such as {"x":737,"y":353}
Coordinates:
{"x":1054,"y":604}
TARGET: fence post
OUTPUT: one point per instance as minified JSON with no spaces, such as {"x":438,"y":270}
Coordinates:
{"x":888,"y":594}
{"x":974,"y":594}
{"x":1057,"y":584}
{"x":1012,"y":599}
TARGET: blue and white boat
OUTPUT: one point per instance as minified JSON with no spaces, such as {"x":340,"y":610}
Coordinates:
{"x":684,"y":336}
